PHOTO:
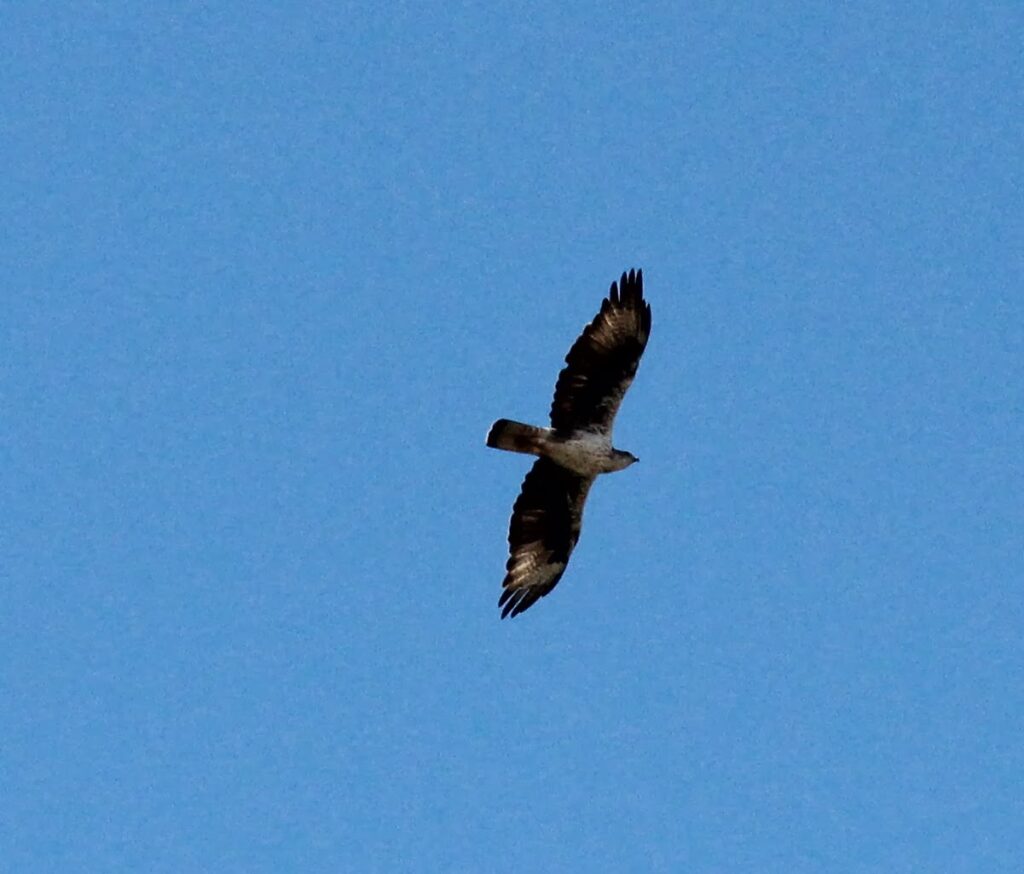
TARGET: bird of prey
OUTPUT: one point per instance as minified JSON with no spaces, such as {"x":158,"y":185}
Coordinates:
{"x":547,"y":515}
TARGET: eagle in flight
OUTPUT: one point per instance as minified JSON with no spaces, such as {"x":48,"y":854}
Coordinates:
{"x":547,"y":515}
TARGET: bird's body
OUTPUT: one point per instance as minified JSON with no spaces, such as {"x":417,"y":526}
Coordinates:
{"x":586,"y":453}
{"x":547,"y":516}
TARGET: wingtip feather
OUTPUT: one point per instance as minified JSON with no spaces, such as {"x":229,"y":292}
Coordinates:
{"x":510,"y":600}
{"x":630,"y":289}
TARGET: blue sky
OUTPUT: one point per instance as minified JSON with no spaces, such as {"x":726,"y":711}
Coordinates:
{"x":271,"y":271}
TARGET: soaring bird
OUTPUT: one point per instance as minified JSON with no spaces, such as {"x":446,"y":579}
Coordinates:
{"x":548,"y":513}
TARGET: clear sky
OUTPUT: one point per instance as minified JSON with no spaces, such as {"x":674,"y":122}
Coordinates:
{"x":270,"y":271}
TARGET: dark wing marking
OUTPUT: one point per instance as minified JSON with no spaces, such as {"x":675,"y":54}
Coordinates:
{"x":545,"y":526}
{"x":603,"y":361}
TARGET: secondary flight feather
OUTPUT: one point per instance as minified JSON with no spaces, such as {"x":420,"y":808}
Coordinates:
{"x":548,"y":513}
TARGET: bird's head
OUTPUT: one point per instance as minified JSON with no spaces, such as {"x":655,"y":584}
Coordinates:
{"x":623,"y":459}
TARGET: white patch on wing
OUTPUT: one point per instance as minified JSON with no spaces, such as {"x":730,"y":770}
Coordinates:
{"x":532,"y":564}
{"x":537,"y":575}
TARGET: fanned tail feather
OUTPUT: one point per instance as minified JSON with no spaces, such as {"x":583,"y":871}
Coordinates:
{"x":516,"y":437}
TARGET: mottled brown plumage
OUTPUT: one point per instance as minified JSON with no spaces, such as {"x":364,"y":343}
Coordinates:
{"x":603,"y":361}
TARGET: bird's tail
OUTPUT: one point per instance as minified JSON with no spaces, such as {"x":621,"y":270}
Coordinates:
{"x":517,"y":437}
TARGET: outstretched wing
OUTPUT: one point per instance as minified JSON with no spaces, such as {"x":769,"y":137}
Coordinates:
{"x":603,"y":361}
{"x":545,"y":526}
